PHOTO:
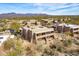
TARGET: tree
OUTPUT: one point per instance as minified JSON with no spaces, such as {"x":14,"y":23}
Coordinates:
{"x":15,"y":26}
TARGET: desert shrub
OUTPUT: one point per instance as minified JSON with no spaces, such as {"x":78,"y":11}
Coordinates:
{"x":68,"y":33}
{"x":60,"y":49}
{"x":15,"y":26}
{"x":16,"y":52}
{"x":47,"y":52}
{"x":57,"y":47}
{"x":40,"y":47}
{"x":73,"y":52}
{"x":30,"y":51}
{"x":8,"y":44}
{"x":76,"y":42}
{"x":67,"y":43}
{"x":50,"y":50}
{"x":12,"y":53}
{"x":53,"y":46}
{"x":14,"y":47}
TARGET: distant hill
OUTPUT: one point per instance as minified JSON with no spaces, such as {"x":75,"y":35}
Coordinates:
{"x":9,"y":15}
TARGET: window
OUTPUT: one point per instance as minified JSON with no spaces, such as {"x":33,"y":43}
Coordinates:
{"x":38,"y":34}
{"x":76,"y":29}
{"x":51,"y":31}
{"x":1,"y":37}
{"x":43,"y":33}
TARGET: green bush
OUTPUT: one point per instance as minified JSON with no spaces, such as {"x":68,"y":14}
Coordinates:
{"x":15,"y":26}
{"x":68,"y":33}
{"x":47,"y":52}
{"x":57,"y":47}
{"x":67,"y":43}
{"x":31,"y":51}
{"x":12,"y":53}
{"x":16,"y":52}
{"x":8,"y":44}
{"x":76,"y":41}
{"x":73,"y":52}
{"x":14,"y":46}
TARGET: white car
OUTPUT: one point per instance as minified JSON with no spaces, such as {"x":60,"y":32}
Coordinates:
{"x":3,"y":38}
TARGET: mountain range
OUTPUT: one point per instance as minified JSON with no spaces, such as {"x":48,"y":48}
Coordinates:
{"x":7,"y":15}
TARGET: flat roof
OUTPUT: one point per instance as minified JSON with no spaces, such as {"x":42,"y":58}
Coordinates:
{"x":38,"y":29}
{"x":72,"y":26}
{"x":41,"y":30}
{"x":69,"y":25}
{"x":47,"y":19}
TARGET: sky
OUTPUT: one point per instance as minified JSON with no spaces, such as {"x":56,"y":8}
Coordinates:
{"x":44,"y":8}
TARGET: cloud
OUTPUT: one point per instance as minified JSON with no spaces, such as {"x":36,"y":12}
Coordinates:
{"x":49,"y":8}
{"x":64,"y":7}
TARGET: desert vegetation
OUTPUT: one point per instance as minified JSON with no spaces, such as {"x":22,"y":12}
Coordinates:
{"x":19,"y":47}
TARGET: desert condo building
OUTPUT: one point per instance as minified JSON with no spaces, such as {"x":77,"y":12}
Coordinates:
{"x":35,"y":33}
